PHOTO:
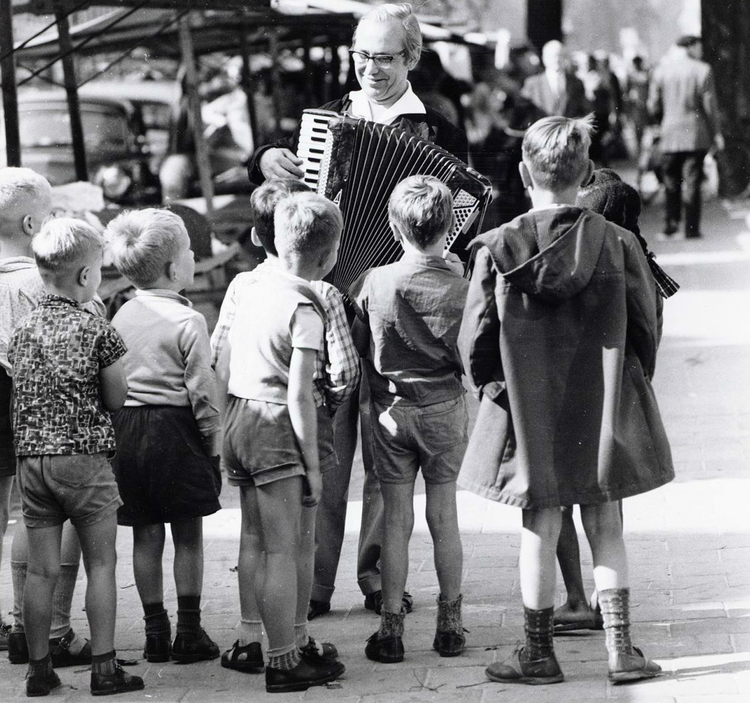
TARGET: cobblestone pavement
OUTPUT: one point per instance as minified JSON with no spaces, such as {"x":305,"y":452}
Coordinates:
{"x":688,"y":545}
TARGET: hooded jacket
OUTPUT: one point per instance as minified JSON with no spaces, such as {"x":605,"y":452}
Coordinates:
{"x":560,"y":335}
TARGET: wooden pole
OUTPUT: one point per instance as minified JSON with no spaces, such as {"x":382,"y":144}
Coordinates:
{"x":10,"y":95}
{"x":247,"y":83}
{"x":273,"y":48}
{"x":194,"y":105}
{"x":71,"y":90}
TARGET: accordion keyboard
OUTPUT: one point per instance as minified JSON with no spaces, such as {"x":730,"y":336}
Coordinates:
{"x":314,"y":147}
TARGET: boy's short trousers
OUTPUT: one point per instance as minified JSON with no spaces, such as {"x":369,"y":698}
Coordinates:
{"x":7,"y":454}
{"x":407,"y":437}
{"x":162,"y":468}
{"x":259,"y":443}
{"x":57,"y":487}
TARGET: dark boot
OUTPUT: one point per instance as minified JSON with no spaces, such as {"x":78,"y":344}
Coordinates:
{"x":534,"y":664}
{"x":449,"y":637}
{"x":41,"y":678}
{"x":386,"y":644}
{"x":626,"y":662}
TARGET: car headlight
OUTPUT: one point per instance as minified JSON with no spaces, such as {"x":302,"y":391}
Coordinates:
{"x":114,"y":180}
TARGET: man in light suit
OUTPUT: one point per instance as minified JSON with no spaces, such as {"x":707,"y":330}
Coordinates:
{"x":683,"y":97}
{"x":557,"y":90}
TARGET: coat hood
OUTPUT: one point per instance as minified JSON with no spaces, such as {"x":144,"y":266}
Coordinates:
{"x":16,"y":263}
{"x":550,"y":253}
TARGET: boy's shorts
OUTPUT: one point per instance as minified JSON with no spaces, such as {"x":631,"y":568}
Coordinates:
{"x":259,"y":443}
{"x":407,"y":437}
{"x":58,"y":487}
{"x":7,"y":454}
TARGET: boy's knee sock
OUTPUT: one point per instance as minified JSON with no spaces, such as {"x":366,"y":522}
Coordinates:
{"x":39,"y":667}
{"x":156,"y":619}
{"x":188,"y":615}
{"x":539,"y":632}
{"x":250,"y":631}
{"x":300,"y":634}
{"x":18,"y":572}
{"x":284,"y":658}
{"x":391,"y":624}
{"x":62,"y":600}
{"x":449,"y":615}
{"x":615,"y":605}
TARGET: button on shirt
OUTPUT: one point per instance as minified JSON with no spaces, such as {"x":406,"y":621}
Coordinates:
{"x":57,"y":352}
{"x":413,"y":310}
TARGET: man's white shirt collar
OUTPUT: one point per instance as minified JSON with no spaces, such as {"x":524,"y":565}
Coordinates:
{"x":407,"y":104}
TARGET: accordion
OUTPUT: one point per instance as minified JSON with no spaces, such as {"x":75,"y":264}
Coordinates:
{"x":357,"y":164}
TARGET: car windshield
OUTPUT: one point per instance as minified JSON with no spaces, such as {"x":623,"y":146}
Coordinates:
{"x":44,"y":125}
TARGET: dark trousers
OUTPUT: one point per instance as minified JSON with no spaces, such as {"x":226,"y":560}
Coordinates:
{"x":683,"y":167}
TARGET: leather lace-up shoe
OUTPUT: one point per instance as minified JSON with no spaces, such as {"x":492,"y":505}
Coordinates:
{"x":449,"y":644}
{"x":302,"y":676}
{"x":18,"y":650}
{"x":631,"y":667}
{"x":515,"y":670}
{"x":317,"y":608}
{"x":388,"y":649}
{"x":189,"y":648}
{"x":119,"y":682}
{"x":42,"y":683}
{"x":158,"y":647}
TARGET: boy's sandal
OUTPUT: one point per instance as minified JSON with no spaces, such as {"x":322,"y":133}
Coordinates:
{"x":247,"y":659}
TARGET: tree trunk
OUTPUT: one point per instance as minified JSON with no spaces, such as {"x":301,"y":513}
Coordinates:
{"x":726,"y":46}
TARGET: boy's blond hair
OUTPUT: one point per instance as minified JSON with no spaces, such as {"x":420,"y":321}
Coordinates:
{"x":18,"y":188}
{"x":306,"y":225}
{"x":421,"y":209}
{"x":63,"y":244}
{"x":556,"y":151}
{"x":143,"y":242}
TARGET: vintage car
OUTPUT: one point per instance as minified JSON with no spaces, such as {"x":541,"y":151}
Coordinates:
{"x":123,"y":138}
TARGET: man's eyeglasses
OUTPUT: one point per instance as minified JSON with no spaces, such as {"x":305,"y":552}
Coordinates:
{"x":380,"y":60}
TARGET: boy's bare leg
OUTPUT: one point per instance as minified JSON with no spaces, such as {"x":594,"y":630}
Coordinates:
{"x":41,"y":577}
{"x":187,"y":535}
{"x":276,"y":509}
{"x":6,"y":485}
{"x":575,"y":613}
{"x":541,"y":529}
{"x":250,"y":570}
{"x":398,"y":502}
{"x":305,"y":564}
{"x":442,"y":520}
{"x":603,"y":525}
{"x":100,"y":560}
{"x":148,"y":551}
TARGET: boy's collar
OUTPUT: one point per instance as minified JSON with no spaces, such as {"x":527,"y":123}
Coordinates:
{"x":54,"y":298}
{"x":163,"y":293}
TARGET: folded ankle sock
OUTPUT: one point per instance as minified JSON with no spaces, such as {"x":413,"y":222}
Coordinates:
{"x":284,"y":658}
{"x":449,"y":615}
{"x":391,"y":624}
{"x":40,"y":666}
{"x":189,"y":615}
{"x":540,"y":630}
{"x":250,"y":631}
{"x":62,"y":600}
{"x":18,"y":571}
{"x":300,"y":634}
{"x":104,"y":664}
{"x":156,"y":619}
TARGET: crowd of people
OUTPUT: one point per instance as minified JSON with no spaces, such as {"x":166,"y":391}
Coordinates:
{"x":124,"y":422}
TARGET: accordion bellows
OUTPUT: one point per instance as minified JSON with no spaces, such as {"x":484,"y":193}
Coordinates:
{"x":357,"y":164}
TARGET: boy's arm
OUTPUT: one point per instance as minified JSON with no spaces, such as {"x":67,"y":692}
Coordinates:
{"x":342,"y":360}
{"x":304,"y":418}
{"x":114,"y":385}
{"x":358,"y":295}
{"x":642,"y":330}
{"x":200,"y":381}
{"x":479,"y":336}
{"x":224,"y":323}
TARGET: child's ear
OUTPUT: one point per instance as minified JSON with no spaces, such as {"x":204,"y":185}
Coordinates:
{"x":396,"y":233}
{"x":523,"y":169}
{"x":254,"y":238}
{"x":171,"y":271}
{"x":83,"y":276}
{"x":588,"y":173}
{"x":27,"y":224}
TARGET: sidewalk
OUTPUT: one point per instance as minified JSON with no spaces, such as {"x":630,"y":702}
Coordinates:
{"x":688,"y":545}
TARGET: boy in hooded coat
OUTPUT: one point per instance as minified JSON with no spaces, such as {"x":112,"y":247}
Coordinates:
{"x":560,"y":335}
